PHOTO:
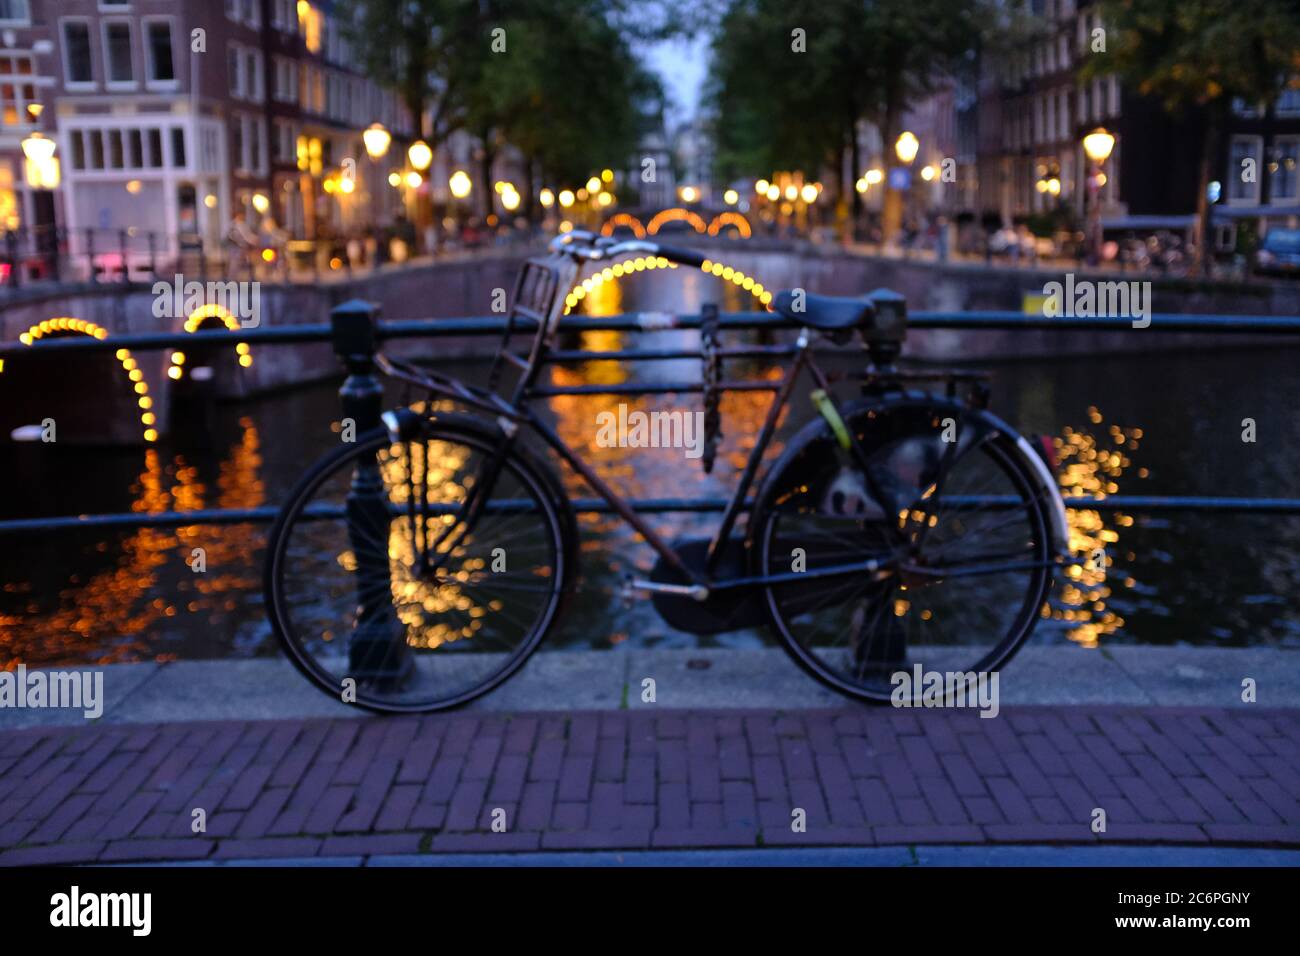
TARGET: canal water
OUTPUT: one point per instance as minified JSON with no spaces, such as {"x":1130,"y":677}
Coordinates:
{"x":1145,"y":424}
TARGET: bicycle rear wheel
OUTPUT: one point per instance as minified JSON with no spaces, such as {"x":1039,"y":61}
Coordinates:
{"x":381,"y":593}
{"x":963,"y":582}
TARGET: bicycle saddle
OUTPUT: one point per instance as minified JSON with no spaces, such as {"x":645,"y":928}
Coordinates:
{"x":827,"y":313}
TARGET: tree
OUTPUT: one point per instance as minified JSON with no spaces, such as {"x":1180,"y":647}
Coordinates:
{"x":1196,"y":57}
{"x":791,"y":84}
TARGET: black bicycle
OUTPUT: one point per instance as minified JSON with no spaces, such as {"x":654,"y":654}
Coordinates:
{"x":419,"y":566}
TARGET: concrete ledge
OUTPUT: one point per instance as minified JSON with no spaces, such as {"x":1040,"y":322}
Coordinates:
{"x":265,"y":689}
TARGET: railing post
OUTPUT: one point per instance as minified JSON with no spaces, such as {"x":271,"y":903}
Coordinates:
{"x":377,"y":648}
{"x":90,"y":253}
{"x":153,"y":254}
{"x":121,"y":244}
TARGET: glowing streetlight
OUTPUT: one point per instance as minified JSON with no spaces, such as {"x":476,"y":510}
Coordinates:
{"x":261,"y":203}
{"x":1098,"y":145}
{"x":510,"y":199}
{"x":42,"y":167}
{"x":607,"y":175}
{"x":689,"y":194}
{"x":346,"y":186}
{"x":460,"y":184}
{"x":604,"y":198}
{"x":731,"y":197}
{"x":547,"y":198}
{"x":376,"y":140}
{"x":907,"y":146}
{"x":414,"y":179}
{"x":420,"y":155}
{"x":566,"y":198}
{"x":791,"y":192}
{"x":593,"y":184}
{"x":394,"y":179}
{"x":761,"y":186}
{"x":809,"y":193}
{"x":773,"y":192}
{"x":874,"y":177}
{"x":862,"y":184}
{"x":928,"y":174}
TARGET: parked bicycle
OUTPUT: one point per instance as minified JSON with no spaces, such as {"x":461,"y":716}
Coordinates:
{"x":419,"y":566}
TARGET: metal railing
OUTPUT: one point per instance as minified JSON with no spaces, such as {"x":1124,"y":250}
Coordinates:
{"x":356,"y":331}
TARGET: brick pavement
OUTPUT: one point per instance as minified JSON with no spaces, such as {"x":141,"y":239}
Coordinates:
{"x":637,"y":779}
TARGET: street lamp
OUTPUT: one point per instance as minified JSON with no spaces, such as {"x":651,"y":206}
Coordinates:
{"x":907,"y":146}
{"x":420,"y":155}
{"x":1097,"y":145}
{"x":460,"y":184}
{"x":42,"y":167}
{"x":376,"y":140}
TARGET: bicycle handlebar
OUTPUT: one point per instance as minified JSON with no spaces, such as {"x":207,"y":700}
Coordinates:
{"x":592,"y":248}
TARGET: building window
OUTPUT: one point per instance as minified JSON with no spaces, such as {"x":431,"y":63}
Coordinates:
{"x":16,"y":89}
{"x":285,"y":78}
{"x":76,"y":52}
{"x":178,"y":147}
{"x":159,"y":65}
{"x":1244,"y":164}
{"x":78,"y":145}
{"x":235,"y":69}
{"x":155,"y":148}
{"x":117,"y":51}
{"x":1283,"y":174}
{"x":253,"y":79}
{"x":16,"y":11}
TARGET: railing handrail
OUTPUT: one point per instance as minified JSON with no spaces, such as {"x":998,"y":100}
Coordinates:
{"x":472,"y":326}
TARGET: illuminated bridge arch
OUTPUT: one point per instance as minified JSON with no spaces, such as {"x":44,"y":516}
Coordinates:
{"x":64,"y":326}
{"x":676,"y":214}
{"x":210,"y":316}
{"x":623,"y":219}
{"x":724,"y":219}
{"x":618,"y":270}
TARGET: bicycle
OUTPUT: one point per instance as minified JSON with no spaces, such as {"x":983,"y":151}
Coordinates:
{"x":418,"y":567}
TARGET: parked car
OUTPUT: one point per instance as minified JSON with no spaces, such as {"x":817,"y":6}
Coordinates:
{"x":1280,"y":253}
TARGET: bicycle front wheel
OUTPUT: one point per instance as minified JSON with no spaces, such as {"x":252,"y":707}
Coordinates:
{"x":386,"y":594}
{"x":957,"y":518}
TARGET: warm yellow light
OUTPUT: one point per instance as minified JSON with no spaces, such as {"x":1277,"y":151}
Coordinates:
{"x":178,"y":358}
{"x":1054,"y":186}
{"x":510,"y":199}
{"x":329,"y":185}
{"x":1096,"y":144}
{"x":604,"y":198}
{"x":346,"y":185}
{"x":773,"y":192}
{"x":133,"y":186}
{"x":689,"y":194}
{"x":420,"y":155}
{"x":593,"y":184}
{"x":210,"y":200}
{"x":907,"y":146}
{"x":375,"y":138}
{"x":394,"y":179}
{"x":175,"y":372}
{"x":861,"y":184}
{"x":566,"y":198}
{"x":1041,"y":185}
{"x":150,"y":434}
{"x":460,"y":184}
{"x":874,"y":176}
{"x":38,"y":147}
{"x":761,"y":186}
{"x":808,"y":193}
{"x":245,"y":360}
{"x":268,"y":255}
{"x":928,"y":173}
{"x":547,"y":197}
{"x":1101,"y":180}
{"x":731,"y":197}
{"x":607,"y":175}
{"x":260,"y":202}
{"x":791,"y":192}
{"x":414,"y":179}
{"x":566,"y":226}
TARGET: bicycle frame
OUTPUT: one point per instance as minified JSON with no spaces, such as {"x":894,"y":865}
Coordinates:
{"x":516,"y":411}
